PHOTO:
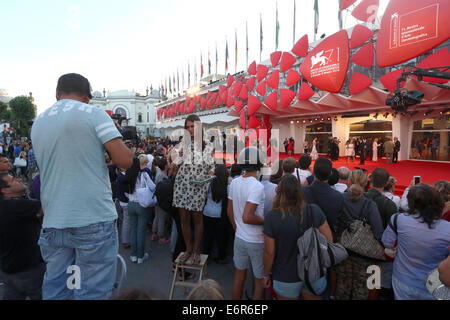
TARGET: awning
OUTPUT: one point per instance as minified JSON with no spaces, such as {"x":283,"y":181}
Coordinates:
{"x":206,"y":119}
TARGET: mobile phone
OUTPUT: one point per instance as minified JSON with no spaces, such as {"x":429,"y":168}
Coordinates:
{"x":417,"y":179}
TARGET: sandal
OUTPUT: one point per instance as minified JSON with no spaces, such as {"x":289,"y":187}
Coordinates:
{"x":194,"y":259}
{"x":184,"y":257}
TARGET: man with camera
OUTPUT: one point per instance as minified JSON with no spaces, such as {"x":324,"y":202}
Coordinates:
{"x":79,"y":227}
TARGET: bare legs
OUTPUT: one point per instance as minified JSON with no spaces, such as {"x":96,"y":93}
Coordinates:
{"x":186,"y":228}
{"x":238,"y":286}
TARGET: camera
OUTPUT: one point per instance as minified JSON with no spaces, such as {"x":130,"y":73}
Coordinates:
{"x":400,"y":101}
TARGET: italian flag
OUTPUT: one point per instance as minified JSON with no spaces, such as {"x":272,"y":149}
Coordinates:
{"x":316,"y":16}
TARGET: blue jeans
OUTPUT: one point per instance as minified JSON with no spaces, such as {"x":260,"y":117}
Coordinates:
{"x":293,"y":290}
{"x":92,"y":248}
{"x":405,"y":292}
{"x":139,"y":217}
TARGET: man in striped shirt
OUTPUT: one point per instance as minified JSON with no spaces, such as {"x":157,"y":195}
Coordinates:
{"x":79,"y":234}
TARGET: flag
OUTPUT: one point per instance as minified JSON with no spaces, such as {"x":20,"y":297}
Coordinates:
{"x":316,"y":18}
{"x":217,"y":61}
{"x":195,"y":71}
{"x":166,"y":87}
{"x":260,"y":36}
{"x":340,"y":16}
{"x":209,"y":63}
{"x":174,"y":83}
{"x":277,"y":30}
{"x":293,"y":37}
{"x":178,"y":81}
{"x":236,"y":53}
{"x":189,"y":76}
{"x":182,"y":79}
{"x":246,"y":44}
{"x":170,"y":85}
{"x":201,"y":66}
{"x":226,"y":57}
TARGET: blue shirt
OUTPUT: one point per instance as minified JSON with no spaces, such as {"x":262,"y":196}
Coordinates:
{"x":31,"y":158}
{"x":17,"y":150}
{"x":68,"y":141}
{"x":419,"y":250}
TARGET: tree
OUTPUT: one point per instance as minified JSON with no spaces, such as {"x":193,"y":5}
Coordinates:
{"x":5,"y":114}
{"x":22,"y":110}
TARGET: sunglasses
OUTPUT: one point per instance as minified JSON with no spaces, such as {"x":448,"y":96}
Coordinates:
{"x":364,"y":170}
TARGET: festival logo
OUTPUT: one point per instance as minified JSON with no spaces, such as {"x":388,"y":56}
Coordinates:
{"x":410,"y":28}
{"x":326,"y":65}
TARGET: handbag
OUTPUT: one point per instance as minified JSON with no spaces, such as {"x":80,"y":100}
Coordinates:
{"x":20,"y":162}
{"x":358,"y":237}
{"x":146,"y":196}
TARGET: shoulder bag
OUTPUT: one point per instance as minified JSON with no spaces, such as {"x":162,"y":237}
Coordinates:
{"x":145,"y":194}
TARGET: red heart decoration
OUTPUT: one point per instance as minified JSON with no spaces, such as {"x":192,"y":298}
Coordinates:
{"x":394,"y":45}
{"x":367,"y":10}
{"x":252,"y":68}
{"x":326,"y":65}
{"x":271,"y":101}
{"x":230,"y":80}
{"x":287,"y":61}
{"x":188,"y":100}
{"x":253,"y":104}
{"x":438,"y":59}
{"x":253,"y":122}
{"x":210,"y":103}
{"x":261,"y":72}
{"x":275,"y":58}
{"x":300,"y":49}
{"x":203,"y":103}
{"x":292,"y":78}
{"x":237,"y":86}
{"x":242,"y":120}
{"x":214,"y":96}
{"x":261,"y":88}
{"x":389,"y":80}
{"x":364,"y":56}
{"x":238,"y":105}
{"x":218,"y":102}
{"x":222,"y":89}
{"x":359,"y":82}
{"x":346,"y":3}
{"x":274,"y":80}
{"x":244,"y":93}
{"x":251,"y":83}
{"x":286,"y":97}
{"x":360,"y":34}
{"x":224,"y":96}
{"x":230,"y":102}
{"x":306,"y":91}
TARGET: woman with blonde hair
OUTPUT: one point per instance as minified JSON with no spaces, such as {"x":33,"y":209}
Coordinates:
{"x":206,"y":290}
{"x":352,"y":273}
{"x":389,"y":191}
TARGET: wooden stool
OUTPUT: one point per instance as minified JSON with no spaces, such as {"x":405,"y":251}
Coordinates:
{"x":202,"y":266}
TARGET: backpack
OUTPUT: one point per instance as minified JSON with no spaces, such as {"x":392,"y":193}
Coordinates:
{"x":164,"y":195}
{"x":316,"y":254}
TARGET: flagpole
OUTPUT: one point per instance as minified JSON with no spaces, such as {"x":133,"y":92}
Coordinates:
{"x":340,"y":15}
{"x":293,"y":38}
{"x":260,"y":36}
{"x":236,"y":53}
{"x":246,"y":42}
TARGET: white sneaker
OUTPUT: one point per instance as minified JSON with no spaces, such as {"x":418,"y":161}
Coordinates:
{"x":133,"y":259}
{"x":140,"y":260}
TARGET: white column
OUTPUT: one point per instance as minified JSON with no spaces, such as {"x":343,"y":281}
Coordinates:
{"x":341,"y":130}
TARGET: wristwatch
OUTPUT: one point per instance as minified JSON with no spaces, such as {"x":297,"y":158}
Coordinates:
{"x":434,"y":285}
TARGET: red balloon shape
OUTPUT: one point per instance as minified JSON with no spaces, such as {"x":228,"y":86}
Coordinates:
{"x":271,"y":101}
{"x":286,"y":61}
{"x":244,"y":93}
{"x":210,"y":103}
{"x":252,"y":68}
{"x":438,"y":59}
{"x":218,"y":102}
{"x":389,"y":80}
{"x":253,"y":104}
{"x":230,"y":80}
{"x":203,"y":103}
{"x":346,"y":3}
{"x":326,"y":65}
{"x":292,"y":78}
{"x":364,"y":56}
{"x":261,"y":72}
{"x":286,"y":97}
{"x":397,"y":42}
{"x":251,"y":83}
{"x":360,"y":34}
{"x":236,"y":88}
{"x":367,"y":10}
{"x":238,"y":105}
{"x":261,"y":88}
{"x":300,"y":49}
{"x":214,"y":96}
{"x":274,"y":80}
{"x":275,"y":58}
{"x":359,"y":82}
{"x":230,"y":102}
{"x":306,"y":91}
{"x":253,"y":122}
{"x":242,"y":120}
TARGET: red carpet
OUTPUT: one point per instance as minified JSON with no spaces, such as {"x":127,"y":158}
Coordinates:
{"x":403,"y":171}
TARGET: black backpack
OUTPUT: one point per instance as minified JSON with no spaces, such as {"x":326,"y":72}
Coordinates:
{"x":164,"y":195}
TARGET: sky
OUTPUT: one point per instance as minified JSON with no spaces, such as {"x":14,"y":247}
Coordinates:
{"x":135,"y":44}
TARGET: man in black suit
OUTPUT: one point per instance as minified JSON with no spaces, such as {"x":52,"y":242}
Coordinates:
{"x":396,"y":150}
{"x":363,"y":151}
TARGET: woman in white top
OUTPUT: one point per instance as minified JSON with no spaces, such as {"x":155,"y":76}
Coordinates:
{"x":389,"y":191}
{"x":375,"y":146}
{"x":350,"y":149}
{"x":135,"y":178}
{"x":314,"y":153}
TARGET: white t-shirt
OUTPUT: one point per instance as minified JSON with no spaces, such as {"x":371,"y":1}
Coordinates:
{"x":150,"y":161}
{"x":303,"y":174}
{"x":341,"y":187}
{"x":243,"y":190}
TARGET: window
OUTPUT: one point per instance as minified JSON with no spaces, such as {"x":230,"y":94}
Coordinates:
{"x":431,"y":139}
{"x":371,"y":129}
{"x":121,"y":111}
{"x":321,"y":131}
{"x":140,"y":117}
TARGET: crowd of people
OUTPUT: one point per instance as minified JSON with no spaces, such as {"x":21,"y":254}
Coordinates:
{"x":70,"y":217}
